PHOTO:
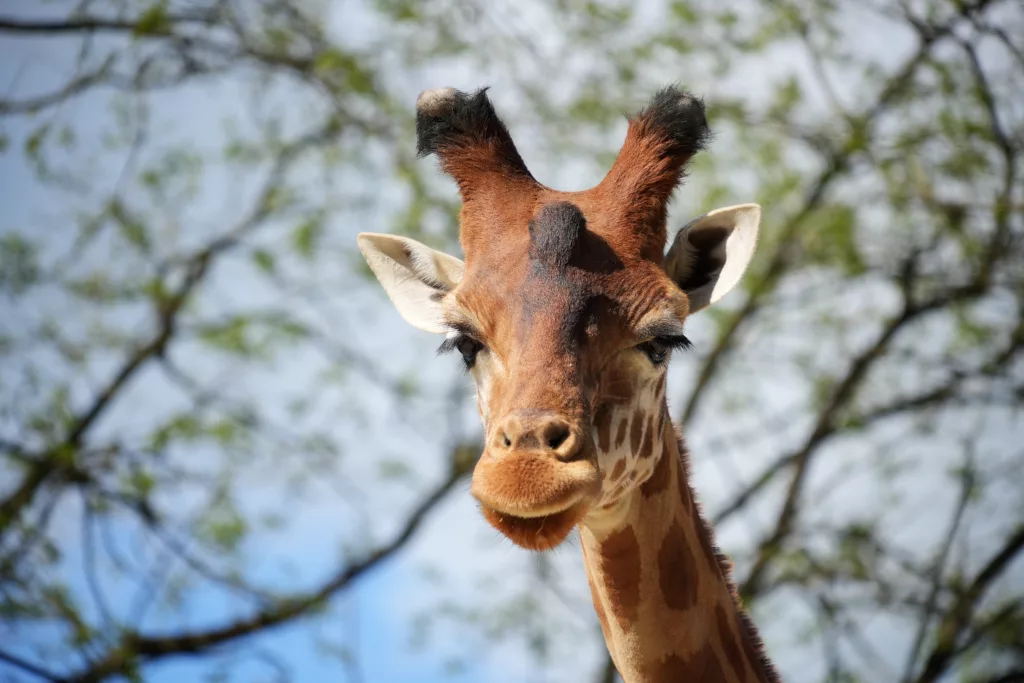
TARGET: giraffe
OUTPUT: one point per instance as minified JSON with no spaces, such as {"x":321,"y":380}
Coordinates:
{"x":565,"y":313}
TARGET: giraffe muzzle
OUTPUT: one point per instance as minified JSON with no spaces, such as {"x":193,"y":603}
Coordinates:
{"x":536,"y":479}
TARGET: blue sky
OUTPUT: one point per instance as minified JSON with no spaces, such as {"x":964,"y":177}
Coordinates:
{"x":383,"y":605}
{"x":377,"y":608}
{"x":377,"y":616}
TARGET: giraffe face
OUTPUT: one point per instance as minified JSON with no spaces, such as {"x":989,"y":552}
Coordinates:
{"x":565,"y":310}
{"x":569,"y":353}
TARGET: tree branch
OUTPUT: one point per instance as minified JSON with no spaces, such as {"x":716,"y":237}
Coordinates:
{"x":837,"y":161}
{"x":86,"y":24}
{"x":1015,"y":676}
{"x":27,"y":667}
{"x":967,"y":489}
{"x":826,"y":423}
{"x":136,"y":646}
{"x":196,"y":266}
{"x":959,"y":615}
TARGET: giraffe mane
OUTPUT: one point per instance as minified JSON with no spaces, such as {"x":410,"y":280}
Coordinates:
{"x":749,"y":631}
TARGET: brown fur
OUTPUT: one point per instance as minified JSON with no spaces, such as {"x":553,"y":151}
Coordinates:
{"x":685,"y":584}
{"x":602,"y":618}
{"x":751,"y":642}
{"x":648,"y":447}
{"x":677,"y":571}
{"x":620,"y":562}
{"x":602,"y":418}
{"x":617,"y":471}
{"x":557,"y":290}
{"x":659,"y":479}
{"x":733,"y":655}
{"x":620,"y":437}
{"x":636,"y":432}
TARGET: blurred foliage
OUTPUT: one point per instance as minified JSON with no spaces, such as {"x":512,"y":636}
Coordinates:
{"x":192,"y":351}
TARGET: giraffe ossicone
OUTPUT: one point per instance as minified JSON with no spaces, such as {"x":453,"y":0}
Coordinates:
{"x":565,"y":312}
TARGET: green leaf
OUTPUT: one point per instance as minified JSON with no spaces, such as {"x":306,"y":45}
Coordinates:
{"x":683,"y":10}
{"x":130,"y":227}
{"x":395,"y":469}
{"x":402,"y":10}
{"x":232,"y":335}
{"x":95,"y":287}
{"x":264,"y":260}
{"x":141,"y":483}
{"x":181,"y":427}
{"x":66,"y":137}
{"x":307,"y":236}
{"x":34,"y":143}
{"x":225,"y":431}
{"x":830,"y":238}
{"x":225,"y":529}
{"x":154,"y":21}
{"x":19,"y":267}
{"x":787,"y":96}
{"x":342,"y":69}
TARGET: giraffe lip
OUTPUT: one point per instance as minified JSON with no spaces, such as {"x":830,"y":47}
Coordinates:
{"x":534,"y":500}
{"x":538,"y":512}
{"x":538,"y":531}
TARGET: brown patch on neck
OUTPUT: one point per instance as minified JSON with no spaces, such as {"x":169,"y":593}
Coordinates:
{"x":676,"y":615}
{"x":603,"y":421}
{"x":620,"y":436}
{"x":660,"y":477}
{"x":678,"y":575}
{"x":702,"y":666}
{"x":619,"y":468}
{"x":720,"y":566}
{"x":620,"y":565}
{"x":733,"y":655}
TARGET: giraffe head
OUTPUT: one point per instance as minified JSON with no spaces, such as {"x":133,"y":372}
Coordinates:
{"x":567,"y":307}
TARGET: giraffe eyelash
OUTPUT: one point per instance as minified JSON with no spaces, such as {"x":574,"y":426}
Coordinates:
{"x":448,"y":345}
{"x":457,"y":333}
{"x":677,"y":341}
{"x":657,"y":349}
{"x":465,"y":344}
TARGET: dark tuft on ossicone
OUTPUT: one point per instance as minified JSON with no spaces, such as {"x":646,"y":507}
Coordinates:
{"x":554,"y":233}
{"x":449,"y":120}
{"x":676,"y":116}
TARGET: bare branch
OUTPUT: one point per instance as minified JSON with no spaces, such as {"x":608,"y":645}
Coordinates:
{"x":143,"y":647}
{"x":836,"y":162}
{"x":86,"y":24}
{"x":27,"y":667}
{"x":1015,"y":676}
{"x":196,"y":267}
{"x":959,"y":616}
{"x":967,"y":488}
{"x":826,"y":421}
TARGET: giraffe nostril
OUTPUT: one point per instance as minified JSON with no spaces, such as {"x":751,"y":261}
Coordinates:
{"x":505,"y":440}
{"x":555,"y":435}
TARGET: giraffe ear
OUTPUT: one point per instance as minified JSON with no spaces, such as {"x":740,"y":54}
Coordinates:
{"x":414,"y":276}
{"x":710,"y":253}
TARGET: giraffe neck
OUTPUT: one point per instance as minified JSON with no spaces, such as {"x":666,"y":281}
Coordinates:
{"x":666,"y":605}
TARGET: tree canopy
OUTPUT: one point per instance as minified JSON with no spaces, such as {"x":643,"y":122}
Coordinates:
{"x":222,"y":456}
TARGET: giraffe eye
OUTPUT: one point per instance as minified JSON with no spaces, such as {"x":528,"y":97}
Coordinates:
{"x":465,"y":345}
{"x":468,"y":347}
{"x":657,"y":349}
